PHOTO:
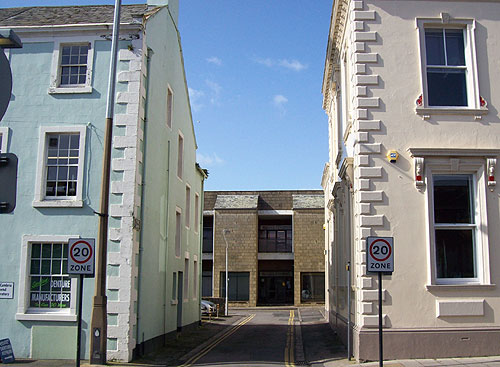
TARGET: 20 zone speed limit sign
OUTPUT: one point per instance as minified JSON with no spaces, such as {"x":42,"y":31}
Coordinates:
{"x":380,"y":254}
{"x":81,"y":256}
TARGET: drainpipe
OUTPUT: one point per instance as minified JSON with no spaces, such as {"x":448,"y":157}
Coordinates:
{"x":141,"y":248}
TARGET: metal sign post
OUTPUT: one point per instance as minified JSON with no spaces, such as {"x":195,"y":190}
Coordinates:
{"x":80,"y":262}
{"x":380,"y":259}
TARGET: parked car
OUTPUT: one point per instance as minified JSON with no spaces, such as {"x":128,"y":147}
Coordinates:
{"x":208,"y":308}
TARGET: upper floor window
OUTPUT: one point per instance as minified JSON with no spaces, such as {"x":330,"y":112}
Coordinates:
{"x":74,"y":65}
{"x":60,"y":168}
{"x":449,"y":66}
{"x":180,"y":156}
{"x":170,"y":101}
{"x":188,"y":207}
{"x":446,"y":68}
{"x":275,"y":235}
{"x":71,"y":68}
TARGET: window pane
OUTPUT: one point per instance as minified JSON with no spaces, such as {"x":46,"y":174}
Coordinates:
{"x":434,"y":46}
{"x":452,"y":199}
{"x":64,"y":141}
{"x":455,"y":50}
{"x":52,"y":290}
{"x":75,"y":141}
{"x":455,"y":255}
{"x":36,"y":249}
{"x":446,"y":87}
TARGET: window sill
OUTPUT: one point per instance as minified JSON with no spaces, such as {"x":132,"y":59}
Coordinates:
{"x":173,"y":302}
{"x":459,"y":287}
{"x":45,"y":317}
{"x":57,"y":203}
{"x":426,"y":112}
{"x":70,"y":90}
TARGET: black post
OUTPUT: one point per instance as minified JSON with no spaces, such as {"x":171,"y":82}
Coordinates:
{"x":380,"y":335}
{"x":79,"y":312}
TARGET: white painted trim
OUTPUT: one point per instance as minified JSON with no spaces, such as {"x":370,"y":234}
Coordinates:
{"x":207,"y":213}
{"x":275,"y":212}
{"x":4,"y":132}
{"x":276,"y":256}
{"x":54,"y":87}
{"x":23,"y":310}
{"x":40,"y":200}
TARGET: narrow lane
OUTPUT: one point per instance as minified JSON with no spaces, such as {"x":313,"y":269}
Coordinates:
{"x":261,"y":339}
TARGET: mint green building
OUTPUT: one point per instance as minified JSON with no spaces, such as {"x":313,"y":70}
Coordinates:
{"x":55,"y":126}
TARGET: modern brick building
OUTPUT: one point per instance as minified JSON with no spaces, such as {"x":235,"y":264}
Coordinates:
{"x":275,"y":243}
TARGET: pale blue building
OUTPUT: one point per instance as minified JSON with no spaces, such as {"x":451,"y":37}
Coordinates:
{"x":54,"y":124}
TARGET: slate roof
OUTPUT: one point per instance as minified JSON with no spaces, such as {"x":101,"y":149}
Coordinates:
{"x":271,"y":199}
{"x":64,"y":15}
{"x":308,"y":201}
{"x":236,"y":202}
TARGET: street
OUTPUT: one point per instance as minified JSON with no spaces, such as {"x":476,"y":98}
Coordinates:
{"x":272,"y":338}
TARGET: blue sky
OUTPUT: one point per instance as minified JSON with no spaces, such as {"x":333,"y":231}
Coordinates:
{"x":254,"y":70}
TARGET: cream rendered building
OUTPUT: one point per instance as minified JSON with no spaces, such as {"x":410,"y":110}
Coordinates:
{"x":419,"y":78}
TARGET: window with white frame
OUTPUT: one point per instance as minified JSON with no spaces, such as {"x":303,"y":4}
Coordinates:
{"x":4,"y":138}
{"x":186,"y":279}
{"x":188,"y":206}
{"x":178,"y":232}
{"x":195,"y":279}
{"x":170,"y":101}
{"x":72,"y":67}
{"x":180,"y":156}
{"x":449,"y":66}
{"x":46,"y":290}
{"x":457,"y":220}
{"x":60,"y":168}
{"x":196,"y":212}
{"x":455,"y":226}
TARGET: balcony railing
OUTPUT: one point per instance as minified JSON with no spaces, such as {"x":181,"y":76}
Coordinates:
{"x":267,"y":245}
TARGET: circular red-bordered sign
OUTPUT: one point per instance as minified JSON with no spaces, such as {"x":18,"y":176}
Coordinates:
{"x":87,"y":257}
{"x":386,"y":244}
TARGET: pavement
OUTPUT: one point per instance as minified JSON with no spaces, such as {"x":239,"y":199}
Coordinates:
{"x":316,"y":346}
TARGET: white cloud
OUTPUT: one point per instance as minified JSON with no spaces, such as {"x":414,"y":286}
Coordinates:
{"x":209,"y":160}
{"x":266,"y":62}
{"x":215,"y":89}
{"x":214,"y":60}
{"x":294,"y":65}
{"x":196,"y":97}
{"x":279,"y":100}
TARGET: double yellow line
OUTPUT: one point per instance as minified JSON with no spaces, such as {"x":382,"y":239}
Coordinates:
{"x":217,"y":341}
{"x":290,"y":341}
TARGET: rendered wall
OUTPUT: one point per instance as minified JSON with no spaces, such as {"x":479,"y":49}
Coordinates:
{"x":383,"y":49}
{"x":164,"y":191}
{"x":31,"y":107}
